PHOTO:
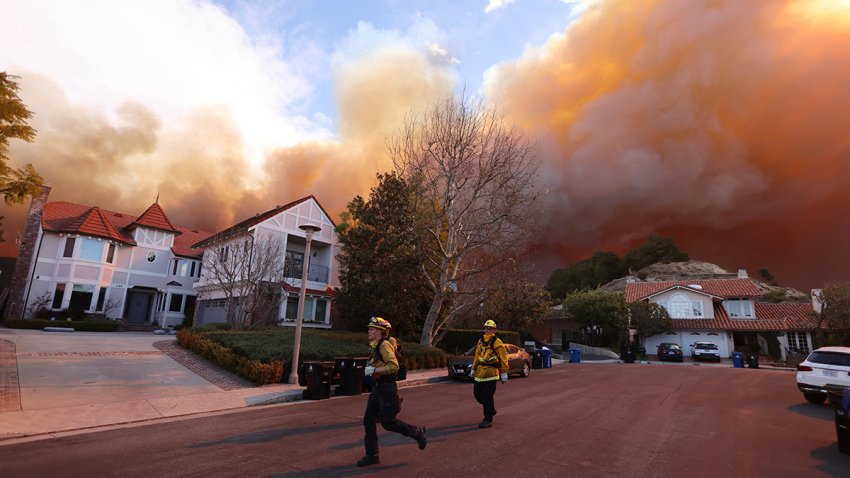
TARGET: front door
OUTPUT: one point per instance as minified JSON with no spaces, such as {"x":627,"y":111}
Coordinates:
{"x":138,"y":307}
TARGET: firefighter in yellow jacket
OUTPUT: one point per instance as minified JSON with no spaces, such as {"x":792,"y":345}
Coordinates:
{"x":383,"y":401}
{"x":490,"y":366}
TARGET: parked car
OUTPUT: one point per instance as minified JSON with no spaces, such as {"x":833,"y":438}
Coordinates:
{"x":705,"y":351}
{"x":670,"y":351}
{"x":825,"y":366}
{"x":519,"y":362}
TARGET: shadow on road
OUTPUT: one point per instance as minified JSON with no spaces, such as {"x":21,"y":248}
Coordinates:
{"x":823,"y":412}
{"x":834,"y":463}
{"x":334,"y":471}
{"x":271,"y":435}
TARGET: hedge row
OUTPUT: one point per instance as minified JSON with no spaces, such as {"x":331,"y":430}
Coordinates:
{"x":254,"y":370}
{"x":36,"y":324}
{"x":244,"y":352}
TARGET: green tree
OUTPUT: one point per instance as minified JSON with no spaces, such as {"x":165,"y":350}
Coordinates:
{"x":15,"y":183}
{"x":605,"y":310}
{"x":655,"y":250}
{"x":833,"y":320}
{"x":473,"y":177}
{"x":380,"y":266}
{"x":649,"y":318}
{"x":599,"y":269}
{"x":516,"y":304}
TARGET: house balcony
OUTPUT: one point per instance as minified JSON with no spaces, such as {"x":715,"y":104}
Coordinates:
{"x":316,"y":273}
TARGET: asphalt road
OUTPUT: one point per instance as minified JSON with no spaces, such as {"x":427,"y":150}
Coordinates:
{"x":573,"y":420}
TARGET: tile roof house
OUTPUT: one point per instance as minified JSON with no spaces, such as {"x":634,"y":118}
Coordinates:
{"x":138,"y":269}
{"x":272,"y":237}
{"x":729,"y":312}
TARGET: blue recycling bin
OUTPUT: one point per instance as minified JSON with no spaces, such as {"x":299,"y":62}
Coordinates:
{"x":546,"y":356}
{"x":575,"y":356}
{"x":737,"y":360}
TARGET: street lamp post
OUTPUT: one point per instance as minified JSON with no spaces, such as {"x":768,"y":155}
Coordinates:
{"x":309,"y":229}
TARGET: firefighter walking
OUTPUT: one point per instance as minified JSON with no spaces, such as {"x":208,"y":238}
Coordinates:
{"x":490,"y":366}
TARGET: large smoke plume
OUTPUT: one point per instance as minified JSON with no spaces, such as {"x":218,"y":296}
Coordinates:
{"x":722,"y":123}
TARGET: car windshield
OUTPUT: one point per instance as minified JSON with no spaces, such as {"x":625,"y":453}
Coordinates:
{"x":671,"y":347}
{"x":707,"y":346}
{"x":830,"y":358}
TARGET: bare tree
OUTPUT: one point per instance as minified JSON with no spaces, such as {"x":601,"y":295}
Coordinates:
{"x":249,"y":271}
{"x":473,"y":179}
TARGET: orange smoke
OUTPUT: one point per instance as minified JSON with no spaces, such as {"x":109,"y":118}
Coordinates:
{"x":723,"y":123}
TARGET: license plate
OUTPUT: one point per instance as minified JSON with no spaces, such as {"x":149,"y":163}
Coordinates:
{"x":830,"y":373}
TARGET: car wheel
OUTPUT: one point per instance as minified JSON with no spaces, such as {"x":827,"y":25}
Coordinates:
{"x":525,"y":371}
{"x":815,"y":397}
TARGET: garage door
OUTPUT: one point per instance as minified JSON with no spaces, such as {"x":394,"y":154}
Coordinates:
{"x":212,"y":312}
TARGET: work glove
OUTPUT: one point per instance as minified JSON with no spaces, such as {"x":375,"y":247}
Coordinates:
{"x":504,"y":377}
{"x":471,"y":371}
{"x":369,"y":370}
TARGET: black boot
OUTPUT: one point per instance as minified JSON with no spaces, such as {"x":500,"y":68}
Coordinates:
{"x":486,"y":423}
{"x":421,"y":438}
{"x":368,"y":460}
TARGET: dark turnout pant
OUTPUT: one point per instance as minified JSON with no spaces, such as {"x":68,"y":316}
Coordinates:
{"x":383,"y":404}
{"x":484,"y":392}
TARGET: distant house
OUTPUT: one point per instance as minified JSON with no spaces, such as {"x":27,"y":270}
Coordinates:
{"x":87,"y":260}
{"x":279,"y":226}
{"x":728,"y":312}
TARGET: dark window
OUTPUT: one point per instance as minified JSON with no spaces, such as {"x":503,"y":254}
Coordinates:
{"x":57,"y":296}
{"x":830,"y":358}
{"x":81,"y":296}
{"x":100,"y":297}
{"x":110,"y":254}
{"x":294,"y":264}
{"x":292,"y":308}
{"x":176,"y":304}
{"x":192,"y":274}
{"x":69,"y":247}
{"x":321,"y":306}
{"x":174,"y":268}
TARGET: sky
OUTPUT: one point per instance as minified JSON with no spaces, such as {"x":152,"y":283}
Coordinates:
{"x":720,"y":123}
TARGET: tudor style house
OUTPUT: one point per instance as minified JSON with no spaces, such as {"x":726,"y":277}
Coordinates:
{"x":728,"y":312}
{"x":258,"y":263}
{"x":90,"y":261}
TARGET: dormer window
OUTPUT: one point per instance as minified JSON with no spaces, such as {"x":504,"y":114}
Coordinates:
{"x":680,"y":306}
{"x":739,"y":308}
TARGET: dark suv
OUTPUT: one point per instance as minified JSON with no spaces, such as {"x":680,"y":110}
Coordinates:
{"x":670,"y":351}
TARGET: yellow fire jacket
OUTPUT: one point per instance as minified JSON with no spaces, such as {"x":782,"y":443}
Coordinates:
{"x":491,"y":360}
{"x":385,"y":357}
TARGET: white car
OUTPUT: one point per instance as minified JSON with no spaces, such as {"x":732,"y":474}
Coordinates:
{"x":825,"y":366}
{"x":705,"y":351}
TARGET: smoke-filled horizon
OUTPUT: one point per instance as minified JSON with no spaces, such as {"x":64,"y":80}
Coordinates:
{"x":722,"y":124}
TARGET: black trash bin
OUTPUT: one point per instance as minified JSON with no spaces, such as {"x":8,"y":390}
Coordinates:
{"x":628,"y":356}
{"x":841,"y":414}
{"x":536,"y":359}
{"x":317,"y":379}
{"x":753,"y":361}
{"x":350,"y":371}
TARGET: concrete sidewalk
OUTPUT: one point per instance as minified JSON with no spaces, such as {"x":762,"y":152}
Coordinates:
{"x":53,"y":384}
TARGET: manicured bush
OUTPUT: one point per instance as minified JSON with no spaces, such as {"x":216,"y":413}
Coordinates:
{"x":36,"y":324}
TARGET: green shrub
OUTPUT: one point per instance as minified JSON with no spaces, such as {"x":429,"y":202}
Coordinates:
{"x":36,"y":324}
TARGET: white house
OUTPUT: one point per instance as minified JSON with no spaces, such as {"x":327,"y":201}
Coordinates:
{"x":280,"y":226}
{"x":728,"y":312}
{"x":86,"y":260}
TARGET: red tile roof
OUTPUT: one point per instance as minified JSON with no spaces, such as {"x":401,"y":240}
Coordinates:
{"x":719,"y":322}
{"x":66,"y":217}
{"x":792,"y":316}
{"x":154,"y":217}
{"x":725,"y":288}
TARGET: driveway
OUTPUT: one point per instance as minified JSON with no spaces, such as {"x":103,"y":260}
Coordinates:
{"x":41,"y":370}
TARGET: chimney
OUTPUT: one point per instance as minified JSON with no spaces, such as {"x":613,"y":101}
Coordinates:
{"x":26,"y":255}
{"x":742,"y":274}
